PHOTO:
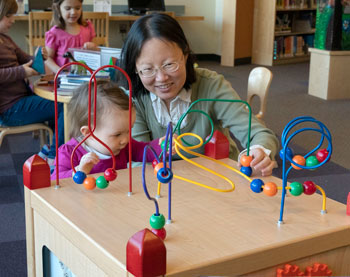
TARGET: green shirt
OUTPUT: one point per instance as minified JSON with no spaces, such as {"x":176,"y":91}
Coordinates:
{"x":227,"y":116}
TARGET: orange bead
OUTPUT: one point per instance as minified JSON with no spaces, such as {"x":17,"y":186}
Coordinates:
{"x":89,"y":183}
{"x":157,"y":167}
{"x":246,"y":160}
{"x":299,"y":160}
{"x":270,"y":189}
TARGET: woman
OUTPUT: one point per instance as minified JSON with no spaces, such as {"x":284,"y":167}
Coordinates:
{"x":159,"y":61}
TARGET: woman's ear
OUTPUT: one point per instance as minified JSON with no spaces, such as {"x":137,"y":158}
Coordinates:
{"x":84,"y":130}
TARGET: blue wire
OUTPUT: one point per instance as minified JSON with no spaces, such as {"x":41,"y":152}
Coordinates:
{"x":285,"y":143}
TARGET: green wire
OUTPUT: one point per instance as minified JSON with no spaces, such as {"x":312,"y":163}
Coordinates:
{"x":177,"y":127}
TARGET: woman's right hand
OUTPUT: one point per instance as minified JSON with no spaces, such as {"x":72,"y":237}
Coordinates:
{"x":87,"y":162}
{"x":29,"y":70}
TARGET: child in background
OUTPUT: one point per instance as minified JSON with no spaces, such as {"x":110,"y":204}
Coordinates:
{"x":69,"y":31}
{"x":112,"y":127}
{"x":18,"y":104}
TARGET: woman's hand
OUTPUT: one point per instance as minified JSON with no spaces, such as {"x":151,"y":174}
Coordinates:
{"x":261,"y":162}
{"x":29,"y":71}
{"x":87,"y":162}
{"x":173,"y":152}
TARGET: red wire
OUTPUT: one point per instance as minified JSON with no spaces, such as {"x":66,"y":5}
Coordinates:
{"x":93,"y":77}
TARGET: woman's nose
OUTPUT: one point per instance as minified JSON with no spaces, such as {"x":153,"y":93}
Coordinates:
{"x":161,"y":75}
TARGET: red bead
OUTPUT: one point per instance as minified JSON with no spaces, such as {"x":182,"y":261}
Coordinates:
{"x":154,"y":163}
{"x":309,"y":187}
{"x":160,"y":233}
{"x":321,"y":155}
{"x":110,"y":174}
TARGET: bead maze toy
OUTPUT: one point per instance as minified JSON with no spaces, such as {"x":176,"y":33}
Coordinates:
{"x":110,"y":174}
{"x":164,"y":173}
{"x":139,"y":252}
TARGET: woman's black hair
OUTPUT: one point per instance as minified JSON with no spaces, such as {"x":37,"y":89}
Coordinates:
{"x":155,"y":25}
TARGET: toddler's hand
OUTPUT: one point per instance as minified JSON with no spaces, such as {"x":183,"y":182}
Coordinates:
{"x":262,"y":162}
{"x":173,"y":152}
{"x":87,"y":162}
{"x":28,"y":70}
{"x":90,"y":46}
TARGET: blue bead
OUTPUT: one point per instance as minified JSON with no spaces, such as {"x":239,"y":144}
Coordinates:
{"x":247,"y":170}
{"x":164,"y":175}
{"x":289,"y":153}
{"x":256,"y":185}
{"x":79,"y":177}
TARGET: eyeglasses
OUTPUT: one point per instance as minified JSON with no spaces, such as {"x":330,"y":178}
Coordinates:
{"x":149,"y":72}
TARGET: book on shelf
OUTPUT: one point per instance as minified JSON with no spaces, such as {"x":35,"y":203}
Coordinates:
{"x":295,"y":4}
{"x":292,"y":46}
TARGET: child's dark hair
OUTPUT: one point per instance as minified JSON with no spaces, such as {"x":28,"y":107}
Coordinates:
{"x":7,"y":8}
{"x":109,"y":96}
{"x":57,"y":19}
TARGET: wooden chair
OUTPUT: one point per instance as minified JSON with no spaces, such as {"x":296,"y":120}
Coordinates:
{"x":39,"y":24}
{"x":8,"y":130}
{"x":101,"y":24}
{"x":258,"y":85}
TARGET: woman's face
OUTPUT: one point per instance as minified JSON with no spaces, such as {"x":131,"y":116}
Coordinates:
{"x":6,"y":23}
{"x":162,"y":57}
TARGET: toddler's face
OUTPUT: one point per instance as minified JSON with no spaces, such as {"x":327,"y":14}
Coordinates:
{"x":71,"y":11}
{"x":113,"y":130}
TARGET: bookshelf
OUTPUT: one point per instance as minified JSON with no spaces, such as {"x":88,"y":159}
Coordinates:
{"x":283,"y":30}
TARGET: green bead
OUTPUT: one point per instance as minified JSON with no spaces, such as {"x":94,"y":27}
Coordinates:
{"x":162,"y":145}
{"x":157,"y":221}
{"x":311,"y":161}
{"x":101,"y":182}
{"x":296,"y":188}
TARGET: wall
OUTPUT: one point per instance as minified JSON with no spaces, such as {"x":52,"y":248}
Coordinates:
{"x":203,"y":36}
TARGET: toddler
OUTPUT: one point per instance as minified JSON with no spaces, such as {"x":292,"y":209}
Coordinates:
{"x":112,"y":127}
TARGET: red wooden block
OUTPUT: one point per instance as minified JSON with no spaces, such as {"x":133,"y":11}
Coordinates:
{"x":318,"y":270}
{"x":36,"y":173}
{"x":146,"y":254}
{"x":218,"y":147}
{"x":289,"y":270}
{"x":348,"y":205}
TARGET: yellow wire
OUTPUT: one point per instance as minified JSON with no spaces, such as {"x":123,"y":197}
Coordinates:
{"x":323,"y":197}
{"x":186,"y":149}
{"x":158,"y":190}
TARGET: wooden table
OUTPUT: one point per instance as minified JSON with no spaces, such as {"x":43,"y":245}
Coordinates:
{"x":46,"y":92}
{"x":212,"y":233}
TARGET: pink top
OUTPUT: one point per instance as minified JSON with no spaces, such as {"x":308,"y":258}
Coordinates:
{"x":60,"y":40}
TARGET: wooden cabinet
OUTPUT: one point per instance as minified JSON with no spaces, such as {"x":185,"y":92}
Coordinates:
{"x":282,"y":31}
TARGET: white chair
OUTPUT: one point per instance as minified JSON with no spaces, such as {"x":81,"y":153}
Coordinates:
{"x":259,"y":82}
{"x":8,"y":130}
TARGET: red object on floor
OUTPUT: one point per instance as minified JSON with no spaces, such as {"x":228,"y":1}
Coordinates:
{"x":348,"y":205}
{"x":145,"y":254}
{"x":318,"y":270}
{"x":289,"y":270}
{"x":218,"y":147}
{"x":36,"y":173}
